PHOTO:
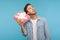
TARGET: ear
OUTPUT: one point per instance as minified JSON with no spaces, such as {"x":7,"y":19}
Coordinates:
{"x":28,"y":13}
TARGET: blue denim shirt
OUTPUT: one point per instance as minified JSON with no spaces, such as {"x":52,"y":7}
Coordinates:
{"x":42,"y":29}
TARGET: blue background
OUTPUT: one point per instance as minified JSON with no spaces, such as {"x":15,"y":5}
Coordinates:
{"x":10,"y":30}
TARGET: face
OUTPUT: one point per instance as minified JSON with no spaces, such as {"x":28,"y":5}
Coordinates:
{"x":30,"y":10}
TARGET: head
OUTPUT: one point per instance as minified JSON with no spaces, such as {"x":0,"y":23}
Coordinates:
{"x":29,"y":9}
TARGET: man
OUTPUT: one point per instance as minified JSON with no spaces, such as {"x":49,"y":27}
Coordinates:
{"x":36,"y":28}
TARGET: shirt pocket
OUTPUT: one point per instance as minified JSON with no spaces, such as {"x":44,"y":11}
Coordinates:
{"x":41,"y":27}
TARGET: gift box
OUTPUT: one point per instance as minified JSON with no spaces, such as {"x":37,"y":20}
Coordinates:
{"x":22,"y":17}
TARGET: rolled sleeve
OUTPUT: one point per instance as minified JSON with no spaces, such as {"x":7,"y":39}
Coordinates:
{"x":25,"y":32}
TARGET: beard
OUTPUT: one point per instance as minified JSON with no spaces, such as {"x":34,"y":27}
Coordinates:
{"x":32,"y":13}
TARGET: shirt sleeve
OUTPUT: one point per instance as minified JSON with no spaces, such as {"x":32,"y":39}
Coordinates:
{"x":25,"y":31}
{"x":47,"y":36}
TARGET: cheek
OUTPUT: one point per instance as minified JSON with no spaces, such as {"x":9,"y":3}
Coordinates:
{"x":29,"y":10}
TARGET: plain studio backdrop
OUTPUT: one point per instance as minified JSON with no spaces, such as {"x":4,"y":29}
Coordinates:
{"x":10,"y":30}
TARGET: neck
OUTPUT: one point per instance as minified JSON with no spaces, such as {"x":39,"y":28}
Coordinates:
{"x":33,"y":17}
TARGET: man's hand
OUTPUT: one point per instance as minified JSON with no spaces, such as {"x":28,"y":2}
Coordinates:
{"x":21,"y":24}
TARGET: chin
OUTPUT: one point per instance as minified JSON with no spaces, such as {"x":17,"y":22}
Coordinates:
{"x":33,"y":14}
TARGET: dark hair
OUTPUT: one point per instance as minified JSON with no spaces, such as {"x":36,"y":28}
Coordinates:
{"x":25,"y":8}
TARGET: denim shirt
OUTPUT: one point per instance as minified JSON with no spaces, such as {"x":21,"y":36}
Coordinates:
{"x":42,"y":29}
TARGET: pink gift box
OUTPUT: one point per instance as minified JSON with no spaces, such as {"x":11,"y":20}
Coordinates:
{"x":22,"y":17}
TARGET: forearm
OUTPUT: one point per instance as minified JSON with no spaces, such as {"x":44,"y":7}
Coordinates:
{"x":22,"y":29}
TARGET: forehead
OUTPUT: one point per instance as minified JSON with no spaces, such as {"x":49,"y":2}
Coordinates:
{"x":29,"y":6}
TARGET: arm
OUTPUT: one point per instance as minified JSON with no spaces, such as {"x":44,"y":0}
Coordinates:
{"x":47,"y":36}
{"x":22,"y":28}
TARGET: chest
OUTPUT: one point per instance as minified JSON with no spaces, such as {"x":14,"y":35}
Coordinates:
{"x":39,"y":25}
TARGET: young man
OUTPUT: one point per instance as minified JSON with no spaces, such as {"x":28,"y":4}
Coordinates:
{"x":36,"y":28}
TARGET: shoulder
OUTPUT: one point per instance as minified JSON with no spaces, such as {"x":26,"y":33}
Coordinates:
{"x":42,"y":18}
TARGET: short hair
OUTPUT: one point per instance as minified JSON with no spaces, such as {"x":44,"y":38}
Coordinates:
{"x":25,"y":8}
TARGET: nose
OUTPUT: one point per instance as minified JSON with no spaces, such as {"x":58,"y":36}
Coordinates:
{"x":33,"y":9}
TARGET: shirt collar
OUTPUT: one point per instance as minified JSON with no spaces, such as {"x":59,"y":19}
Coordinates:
{"x":38,"y":19}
